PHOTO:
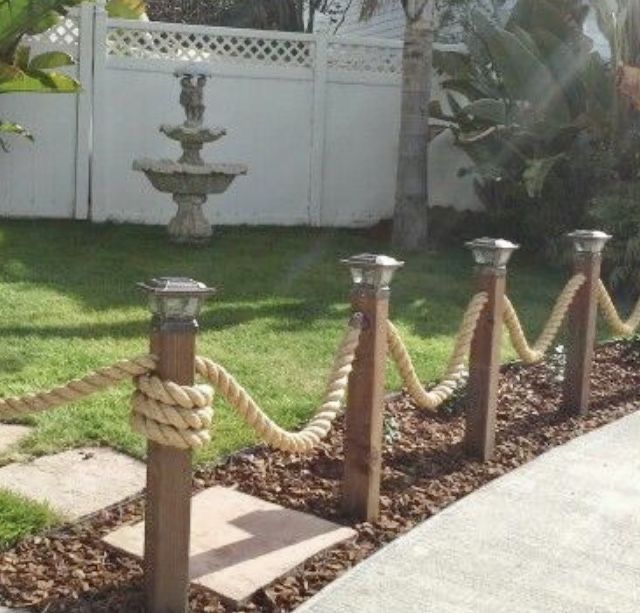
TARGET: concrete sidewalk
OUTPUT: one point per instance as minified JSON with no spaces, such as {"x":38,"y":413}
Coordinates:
{"x":561,"y":534}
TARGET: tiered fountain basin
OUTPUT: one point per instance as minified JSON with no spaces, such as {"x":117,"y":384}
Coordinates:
{"x":195,"y":179}
{"x":195,"y":135}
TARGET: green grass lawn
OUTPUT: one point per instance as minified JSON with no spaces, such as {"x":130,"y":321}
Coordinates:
{"x":68,"y":304}
{"x":20,"y":517}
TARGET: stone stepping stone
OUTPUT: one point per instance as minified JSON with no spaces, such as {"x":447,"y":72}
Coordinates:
{"x":10,"y":435}
{"x":240,"y":544}
{"x":76,"y":482}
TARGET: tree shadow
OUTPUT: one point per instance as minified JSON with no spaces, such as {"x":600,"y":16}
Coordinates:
{"x":269,"y":531}
{"x":292,"y":275}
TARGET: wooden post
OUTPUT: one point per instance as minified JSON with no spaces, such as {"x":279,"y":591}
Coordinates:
{"x":365,"y":405}
{"x":491,"y":257}
{"x":175,"y":304}
{"x":587,"y":257}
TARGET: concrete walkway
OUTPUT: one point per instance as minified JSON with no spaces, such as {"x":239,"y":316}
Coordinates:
{"x":561,"y":534}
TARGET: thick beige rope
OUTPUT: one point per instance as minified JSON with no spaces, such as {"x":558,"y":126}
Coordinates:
{"x":319,"y":426}
{"x":530,"y":354}
{"x":623,"y":328}
{"x":432,"y":399}
{"x":170,"y":414}
{"x":76,"y":389}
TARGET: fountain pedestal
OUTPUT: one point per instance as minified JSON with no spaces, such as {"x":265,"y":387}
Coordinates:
{"x":190,"y":225}
{"x":190,"y":179}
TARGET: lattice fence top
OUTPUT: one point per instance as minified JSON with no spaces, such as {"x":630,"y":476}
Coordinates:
{"x":354,"y":57}
{"x":200,"y":46}
{"x":65,"y":34}
{"x":149,"y":41}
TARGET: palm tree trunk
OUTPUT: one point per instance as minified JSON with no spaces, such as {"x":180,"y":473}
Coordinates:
{"x":412,"y":197}
{"x":631,"y":33}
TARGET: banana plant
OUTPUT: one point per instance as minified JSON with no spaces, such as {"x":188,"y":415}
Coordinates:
{"x":21,"y":73}
{"x":521,"y":95}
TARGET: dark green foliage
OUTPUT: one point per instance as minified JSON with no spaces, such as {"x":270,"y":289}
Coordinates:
{"x":451,"y":226}
{"x":530,"y":104}
{"x":617,"y":210}
{"x":19,"y":72}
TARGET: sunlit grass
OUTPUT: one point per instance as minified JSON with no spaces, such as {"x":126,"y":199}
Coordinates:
{"x":68,"y":304}
{"x":20,"y":517}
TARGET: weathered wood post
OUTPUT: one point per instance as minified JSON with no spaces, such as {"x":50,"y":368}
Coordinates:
{"x":175,"y":304}
{"x":371,"y":275}
{"x":587,"y":257}
{"x":491,"y":257}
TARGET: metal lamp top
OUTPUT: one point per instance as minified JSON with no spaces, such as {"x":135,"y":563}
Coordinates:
{"x":492,"y":252}
{"x":176,"y":297}
{"x":589,"y":241}
{"x":372,"y":270}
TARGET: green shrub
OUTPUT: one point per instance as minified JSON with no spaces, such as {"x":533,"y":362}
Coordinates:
{"x":617,"y":211}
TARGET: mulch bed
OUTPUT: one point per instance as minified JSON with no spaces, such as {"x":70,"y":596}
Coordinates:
{"x":425,"y":470}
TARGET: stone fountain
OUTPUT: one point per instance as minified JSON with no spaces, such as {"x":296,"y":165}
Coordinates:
{"x":190,"y":179}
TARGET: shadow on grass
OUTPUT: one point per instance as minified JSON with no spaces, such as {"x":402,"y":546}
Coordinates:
{"x":290,"y":275}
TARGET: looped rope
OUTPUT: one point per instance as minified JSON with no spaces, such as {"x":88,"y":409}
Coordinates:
{"x":432,"y":399}
{"x":170,"y":414}
{"x":76,"y":389}
{"x":623,"y":328}
{"x":530,"y":354}
{"x":319,"y":426}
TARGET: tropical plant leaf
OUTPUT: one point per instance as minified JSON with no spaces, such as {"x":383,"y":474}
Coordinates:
{"x":10,"y":127}
{"x":454,"y":104}
{"x":527,"y":40}
{"x":536,"y":172}
{"x":488,"y":110}
{"x":52,"y":59}
{"x":19,"y":17}
{"x":452,"y":62}
{"x":567,"y":66}
{"x":470,"y":88}
{"x":524,"y":76}
{"x":560,"y":17}
{"x":13,"y":80}
{"x":46,"y":22}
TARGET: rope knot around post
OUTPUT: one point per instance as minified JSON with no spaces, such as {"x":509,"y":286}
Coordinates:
{"x":173,"y":415}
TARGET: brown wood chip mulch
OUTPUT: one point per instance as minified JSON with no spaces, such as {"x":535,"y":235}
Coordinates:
{"x":425,"y":470}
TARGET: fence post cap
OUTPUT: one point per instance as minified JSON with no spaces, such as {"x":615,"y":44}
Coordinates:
{"x":492,"y":253}
{"x":372,"y":270}
{"x":178,"y":298}
{"x":589,"y":241}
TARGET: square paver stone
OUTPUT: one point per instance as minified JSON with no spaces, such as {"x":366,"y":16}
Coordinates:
{"x":240,"y":544}
{"x":76,"y":482}
{"x":11,"y":435}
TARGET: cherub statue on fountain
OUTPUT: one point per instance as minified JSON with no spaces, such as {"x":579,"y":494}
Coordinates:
{"x":192,"y":98}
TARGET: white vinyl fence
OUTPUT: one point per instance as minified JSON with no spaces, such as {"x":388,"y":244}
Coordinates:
{"x":316,"y":119}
